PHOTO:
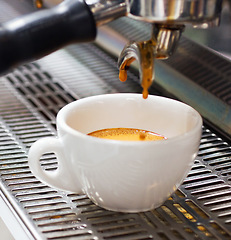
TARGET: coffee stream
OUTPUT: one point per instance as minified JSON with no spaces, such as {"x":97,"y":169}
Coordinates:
{"x":143,"y":52}
{"x":39,"y":3}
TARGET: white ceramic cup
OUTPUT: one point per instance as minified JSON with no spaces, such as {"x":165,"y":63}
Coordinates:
{"x":127,"y":176}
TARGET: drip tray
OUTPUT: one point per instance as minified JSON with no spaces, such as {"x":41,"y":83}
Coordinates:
{"x":30,"y":98}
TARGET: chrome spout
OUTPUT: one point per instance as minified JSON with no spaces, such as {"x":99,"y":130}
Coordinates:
{"x":166,"y":38}
{"x":143,"y":52}
{"x":160,"y":46}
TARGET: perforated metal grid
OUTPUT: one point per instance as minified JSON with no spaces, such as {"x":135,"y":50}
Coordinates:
{"x":200,"y":209}
{"x":29,"y":100}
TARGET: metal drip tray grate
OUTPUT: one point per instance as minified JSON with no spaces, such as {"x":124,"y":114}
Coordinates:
{"x":30,"y":98}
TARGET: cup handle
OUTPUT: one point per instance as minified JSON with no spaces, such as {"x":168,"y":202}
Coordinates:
{"x":59,"y":178}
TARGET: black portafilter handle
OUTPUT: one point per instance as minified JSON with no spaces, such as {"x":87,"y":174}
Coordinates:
{"x":35,"y":35}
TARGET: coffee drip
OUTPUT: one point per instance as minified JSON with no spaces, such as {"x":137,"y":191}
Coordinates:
{"x":38,"y":3}
{"x":40,"y":33}
{"x":160,"y":46}
{"x":144,"y":54}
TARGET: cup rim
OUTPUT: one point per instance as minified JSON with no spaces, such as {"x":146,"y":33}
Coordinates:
{"x":61,"y":122}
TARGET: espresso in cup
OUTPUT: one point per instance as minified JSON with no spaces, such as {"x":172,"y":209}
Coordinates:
{"x":127,"y":134}
{"x":125,"y":176}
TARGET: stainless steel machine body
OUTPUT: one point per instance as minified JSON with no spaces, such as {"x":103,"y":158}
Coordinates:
{"x":32,"y":94}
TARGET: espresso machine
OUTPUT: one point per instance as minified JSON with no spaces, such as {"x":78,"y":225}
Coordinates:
{"x":53,"y":52}
{"x":72,"y":21}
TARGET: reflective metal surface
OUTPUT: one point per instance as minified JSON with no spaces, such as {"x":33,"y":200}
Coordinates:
{"x":30,"y":98}
{"x":105,"y":11}
{"x":166,"y":38}
{"x":217,"y":38}
{"x":201,"y":13}
{"x":35,"y":92}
